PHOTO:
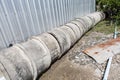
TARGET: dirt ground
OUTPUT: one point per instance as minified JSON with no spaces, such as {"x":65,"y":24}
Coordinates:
{"x":78,"y":66}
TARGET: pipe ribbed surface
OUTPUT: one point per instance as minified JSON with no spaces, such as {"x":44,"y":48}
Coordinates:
{"x":25,"y":61}
{"x":75,"y":29}
{"x":51,"y":43}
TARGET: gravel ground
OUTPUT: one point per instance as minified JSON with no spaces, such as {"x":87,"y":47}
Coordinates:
{"x":78,"y":66}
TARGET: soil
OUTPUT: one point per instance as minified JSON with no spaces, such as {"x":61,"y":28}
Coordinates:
{"x":76,"y":65}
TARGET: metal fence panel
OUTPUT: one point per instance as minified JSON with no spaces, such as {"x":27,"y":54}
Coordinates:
{"x":20,"y":19}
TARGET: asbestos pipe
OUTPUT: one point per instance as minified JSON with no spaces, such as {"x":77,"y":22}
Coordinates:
{"x":27,"y":60}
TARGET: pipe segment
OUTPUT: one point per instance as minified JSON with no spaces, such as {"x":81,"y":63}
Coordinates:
{"x":75,"y":29}
{"x":79,"y":24}
{"x":63,"y":40}
{"x":38,"y":54}
{"x":15,"y":64}
{"x":27,"y":60}
{"x":51,"y":43}
{"x":70,"y":33}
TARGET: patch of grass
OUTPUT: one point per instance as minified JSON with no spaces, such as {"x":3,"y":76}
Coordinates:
{"x":104,"y":28}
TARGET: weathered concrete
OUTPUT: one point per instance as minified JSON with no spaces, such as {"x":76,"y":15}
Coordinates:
{"x":25,"y":61}
{"x":62,"y":38}
{"x":38,"y":54}
{"x":51,"y":43}
{"x":83,"y":23}
{"x":75,"y":29}
{"x":81,"y":29}
{"x":70,"y":32}
{"x":16,"y":65}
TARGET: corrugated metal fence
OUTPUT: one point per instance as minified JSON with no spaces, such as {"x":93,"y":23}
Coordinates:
{"x":20,"y":19}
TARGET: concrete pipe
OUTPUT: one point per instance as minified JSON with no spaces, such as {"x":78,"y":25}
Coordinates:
{"x":92,"y":20}
{"x":15,"y":65}
{"x":88,"y":21}
{"x":75,"y":29}
{"x":63,"y":40}
{"x":70,"y":33}
{"x":38,"y":54}
{"x":51,"y":43}
{"x":98,"y":16}
{"x":82,"y":26}
{"x":84,"y":23}
{"x":25,"y":61}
